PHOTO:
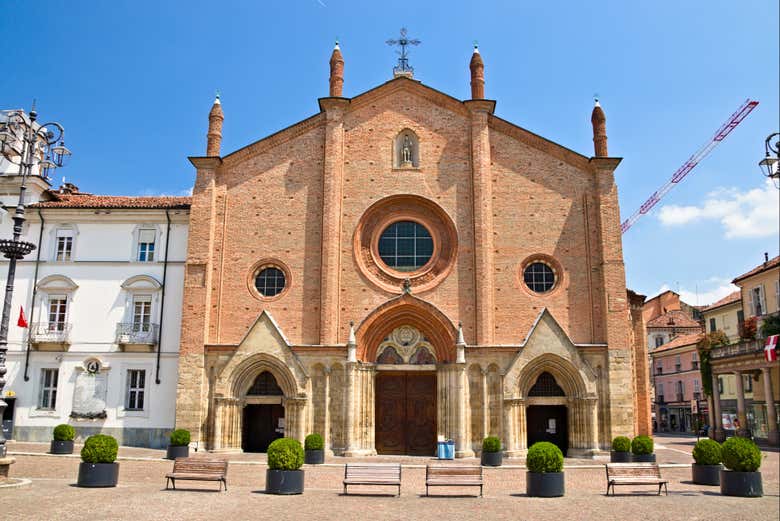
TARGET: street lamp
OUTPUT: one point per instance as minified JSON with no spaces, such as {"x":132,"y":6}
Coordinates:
{"x":31,"y":143}
{"x":770,"y":165}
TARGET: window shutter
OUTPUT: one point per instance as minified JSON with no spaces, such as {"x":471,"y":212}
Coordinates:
{"x":147,"y":236}
{"x":762,"y":299}
{"x":752,"y":304}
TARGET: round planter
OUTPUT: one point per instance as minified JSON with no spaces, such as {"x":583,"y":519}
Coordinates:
{"x":61,"y":447}
{"x":742,"y":484}
{"x":706,"y":474}
{"x":547,"y":484}
{"x":492,"y":459}
{"x":314,"y":457}
{"x":98,"y":474}
{"x":643,"y":458}
{"x":619,"y":457}
{"x":283,"y":481}
{"x":178,"y":451}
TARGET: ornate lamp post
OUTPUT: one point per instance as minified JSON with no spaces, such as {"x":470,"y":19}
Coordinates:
{"x":33,"y":147}
{"x":770,"y":165}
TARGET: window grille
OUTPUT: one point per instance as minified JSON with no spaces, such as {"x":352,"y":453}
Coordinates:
{"x":406,"y":246}
{"x":270,"y":281}
{"x":136,"y":388}
{"x":265,"y":384}
{"x":539,"y":277}
{"x":48,"y":397}
{"x":546,"y":386}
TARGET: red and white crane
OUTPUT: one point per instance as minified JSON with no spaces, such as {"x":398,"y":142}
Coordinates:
{"x":735,"y":119}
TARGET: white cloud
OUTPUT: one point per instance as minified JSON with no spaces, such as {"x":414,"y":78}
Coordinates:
{"x":749,"y":214}
{"x":701,"y":297}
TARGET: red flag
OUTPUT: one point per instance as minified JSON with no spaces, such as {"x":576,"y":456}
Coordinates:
{"x":770,"y":348}
{"x":22,"y":322}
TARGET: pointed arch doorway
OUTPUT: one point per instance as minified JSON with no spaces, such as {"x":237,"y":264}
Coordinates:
{"x":263,"y":414}
{"x":547,"y":413}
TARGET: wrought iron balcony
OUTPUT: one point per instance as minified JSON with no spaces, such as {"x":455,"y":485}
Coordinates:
{"x":745,"y":347}
{"x":679,"y":397}
{"x":130,"y":333}
{"x":697,"y":396}
{"x":55,"y":333}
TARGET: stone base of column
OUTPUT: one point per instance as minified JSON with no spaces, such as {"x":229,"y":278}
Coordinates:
{"x":226,"y":450}
{"x":358,"y":453}
{"x":467,"y":453}
{"x":517,"y":453}
{"x":773,"y":438}
{"x":720,"y":435}
{"x":586,"y":453}
{"x":5,"y":467}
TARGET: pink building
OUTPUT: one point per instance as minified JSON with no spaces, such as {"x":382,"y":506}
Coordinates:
{"x":679,"y":398}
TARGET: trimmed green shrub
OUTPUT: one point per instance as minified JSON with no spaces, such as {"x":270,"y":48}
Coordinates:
{"x":64,"y":432}
{"x":99,"y":448}
{"x":642,"y":445}
{"x":741,"y":454}
{"x":285,"y":454}
{"x":314,"y":442}
{"x":621,"y":444}
{"x":543,"y":457}
{"x":491,"y":444}
{"x":180,"y":437}
{"x":707,"y":452}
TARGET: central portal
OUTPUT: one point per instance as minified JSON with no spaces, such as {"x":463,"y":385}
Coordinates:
{"x":406,"y":413}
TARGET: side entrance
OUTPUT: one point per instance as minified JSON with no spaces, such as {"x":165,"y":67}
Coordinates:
{"x":548,"y":423}
{"x":405,"y":413}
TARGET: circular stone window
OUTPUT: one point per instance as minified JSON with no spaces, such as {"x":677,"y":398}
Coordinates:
{"x":405,"y":246}
{"x":270,"y":281}
{"x":539,"y":277}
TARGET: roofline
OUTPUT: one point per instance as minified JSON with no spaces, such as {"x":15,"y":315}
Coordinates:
{"x":749,"y":275}
{"x":662,"y":293}
{"x":738,"y":301}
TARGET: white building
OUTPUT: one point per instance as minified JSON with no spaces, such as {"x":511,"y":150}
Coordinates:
{"x":102,"y":294}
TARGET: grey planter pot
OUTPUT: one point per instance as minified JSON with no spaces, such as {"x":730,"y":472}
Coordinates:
{"x":314,"y":457}
{"x":177,"y":451}
{"x":741,"y":484}
{"x":619,"y":457}
{"x":98,"y":474}
{"x":706,"y":474}
{"x":547,"y":484}
{"x":492,"y":459}
{"x":61,"y":447}
{"x":283,"y":482}
{"x":643,"y":458}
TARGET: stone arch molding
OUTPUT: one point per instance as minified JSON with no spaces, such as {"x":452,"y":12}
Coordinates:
{"x":548,"y":348}
{"x":57,"y":283}
{"x":264,"y":348}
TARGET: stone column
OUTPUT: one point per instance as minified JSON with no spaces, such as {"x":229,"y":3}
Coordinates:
{"x":521,"y":427}
{"x":514,"y":428}
{"x":741,"y":412}
{"x":717,"y":427}
{"x":326,"y":413}
{"x":460,"y":395}
{"x":592,"y":412}
{"x":771,"y":413}
{"x":485,"y":406}
{"x":216,"y":441}
{"x":349,"y":406}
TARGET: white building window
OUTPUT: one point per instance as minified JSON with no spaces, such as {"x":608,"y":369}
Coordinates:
{"x":757,"y":301}
{"x":136,"y":389}
{"x":63,"y":246}
{"x":142,"y":312}
{"x":694,"y":360}
{"x":58,"y":312}
{"x":696,"y":386}
{"x":47,"y":398}
{"x":146,"y":240}
{"x":677,"y":363}
{"x":659,"y":341}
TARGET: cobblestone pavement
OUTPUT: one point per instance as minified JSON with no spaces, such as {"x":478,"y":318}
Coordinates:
{"x":141,"y":493}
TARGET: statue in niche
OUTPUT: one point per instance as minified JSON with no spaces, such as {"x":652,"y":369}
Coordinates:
{"x":406,"y":151}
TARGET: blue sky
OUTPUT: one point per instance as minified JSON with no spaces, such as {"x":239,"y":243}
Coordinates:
{"x":132,"y":82}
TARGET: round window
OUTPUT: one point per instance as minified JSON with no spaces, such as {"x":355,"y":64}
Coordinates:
{"x":405,"y":246}
{"x":539,"y":277}
{"x":270,"y":281}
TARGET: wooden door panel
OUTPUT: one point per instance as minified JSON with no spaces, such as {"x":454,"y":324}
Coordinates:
{"x":421,"y":414}
{"x":405,"y":420}
{"x":390,"y":414}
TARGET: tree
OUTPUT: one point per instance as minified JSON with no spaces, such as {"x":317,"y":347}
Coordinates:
{"x":708,"y":341}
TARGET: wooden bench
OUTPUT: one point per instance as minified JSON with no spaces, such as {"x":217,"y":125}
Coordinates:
{"x":452,"y":476}
{"x":634,"y":474}
{"x":198,"y":469}
{"x":362,"y":474}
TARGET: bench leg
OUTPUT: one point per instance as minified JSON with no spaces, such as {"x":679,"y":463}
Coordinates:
{"x":480,"y":491}
{"x":173,"y":482}
{"x":167,"y":483}
{"x":426,"y":490}
{"x":666,"y":489}
{"x":345,"y":490}
{"x":399,"y":491}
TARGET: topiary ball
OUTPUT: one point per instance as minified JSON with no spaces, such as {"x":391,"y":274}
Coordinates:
{"x":621,"y":444}
{"x":64,"y":432}
{"x":491,"y":444}
{"x":642,"y":445}
{"x":314,"y":442}
{"x":99,"y":448}
{"x":544,"y":457}
{"x":707,"y":452}
{"x":180,"y":438}
{"x":741,"y":455}
{"x":285,"y":454}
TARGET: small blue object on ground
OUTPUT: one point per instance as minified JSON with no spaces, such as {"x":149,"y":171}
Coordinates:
{"x":445,"y":450}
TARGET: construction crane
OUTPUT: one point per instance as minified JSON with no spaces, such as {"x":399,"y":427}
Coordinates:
{"x":735,"y":119}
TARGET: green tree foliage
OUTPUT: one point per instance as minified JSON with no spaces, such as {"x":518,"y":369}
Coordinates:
{"x":621,"y":444}
{"x":64,"y":432}
{"x":99,"y":448}
{"x":642,"y":445}
{"x":285,"y":454}
{"x":543,"y":456}
{"x":741,"y":454}
{"x":180,"y":437}
{"x":314,"y":442}
{"x":707,"y":452}
{"x":491,"y":444}
{"x":710,"y":340}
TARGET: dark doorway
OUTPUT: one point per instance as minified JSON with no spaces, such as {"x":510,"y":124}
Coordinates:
{"x":406,"y":413}
{"x":548,"y":423}
{"x":261,"y":426}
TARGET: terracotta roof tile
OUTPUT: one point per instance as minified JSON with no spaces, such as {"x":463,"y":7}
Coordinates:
{"x":113,"y":201}
{"x":679,"y":341}
{"x":728,"y":299}
{"x":772,"y":263}
{"x":674,"y":318}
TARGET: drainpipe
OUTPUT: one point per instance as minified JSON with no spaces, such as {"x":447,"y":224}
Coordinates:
{"x":162,"y":295}
{"x":34,"y":293}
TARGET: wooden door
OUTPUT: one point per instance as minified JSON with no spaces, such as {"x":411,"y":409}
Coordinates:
{"x":261,"y":426}
{"x":548,"y":423}
{"x":405,"y":413}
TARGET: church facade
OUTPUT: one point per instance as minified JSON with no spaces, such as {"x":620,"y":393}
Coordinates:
{"x":404,"y":267}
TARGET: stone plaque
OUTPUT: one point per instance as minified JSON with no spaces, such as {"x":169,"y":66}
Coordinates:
{"x":89,"y":397}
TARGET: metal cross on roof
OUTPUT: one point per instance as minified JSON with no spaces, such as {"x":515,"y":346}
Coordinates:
{"x":403,"y":67}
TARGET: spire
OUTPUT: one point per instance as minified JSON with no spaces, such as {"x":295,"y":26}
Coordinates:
{"x":460,"y":341}
{"x":336,"y":72}
{"x":477,"y":75}
{"x":351,"y":344}
{"x":599,"y":121}
{"x":460,"y":346}
{"x":214,"y":136}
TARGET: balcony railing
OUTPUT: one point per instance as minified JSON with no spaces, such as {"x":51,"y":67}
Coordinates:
{"x":661,"y":398}
{"x":130,"y":333}
{"x":679,"y":397}
{"x":50,"y":333}
{"x":745,"y":347}
{"x":697,"y":396}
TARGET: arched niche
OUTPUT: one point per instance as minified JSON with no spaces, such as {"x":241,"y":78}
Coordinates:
{"x":406,"y":149}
